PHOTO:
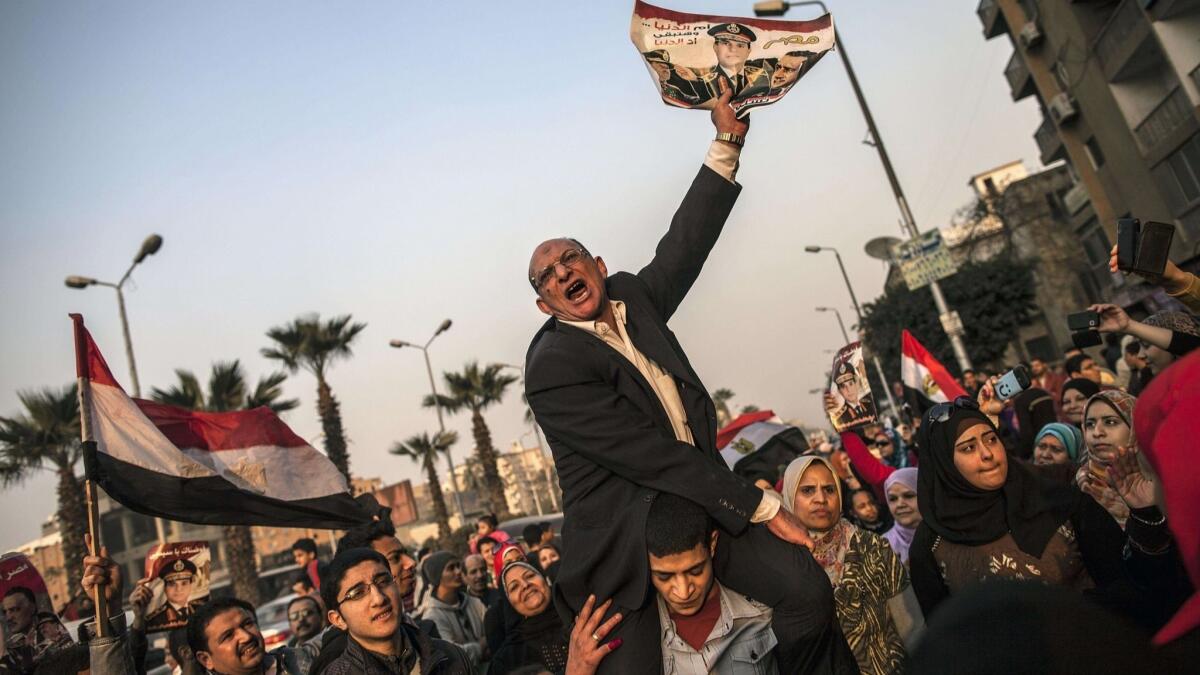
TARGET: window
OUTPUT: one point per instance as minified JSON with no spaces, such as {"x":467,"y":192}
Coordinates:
{"x":1095,"y":155}
{"x":1179,"y":176}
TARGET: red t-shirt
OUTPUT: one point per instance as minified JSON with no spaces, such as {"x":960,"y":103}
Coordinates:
{"x":696,"y":628}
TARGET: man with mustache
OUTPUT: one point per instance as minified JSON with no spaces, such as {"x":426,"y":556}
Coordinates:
{"x":628,"y":418}
{"x":363,"y":599}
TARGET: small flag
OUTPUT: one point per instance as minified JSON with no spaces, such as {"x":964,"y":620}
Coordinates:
{"x":926,"y":381}
{"x":756,"y":445}
{"x":220,"y":468}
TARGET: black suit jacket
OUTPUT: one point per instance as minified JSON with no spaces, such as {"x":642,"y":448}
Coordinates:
{"x":612,"y":440}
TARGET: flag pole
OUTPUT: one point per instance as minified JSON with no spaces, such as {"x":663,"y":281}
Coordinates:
{"x":89,"y":453}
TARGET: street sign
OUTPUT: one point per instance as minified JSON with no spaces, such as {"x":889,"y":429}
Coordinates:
{"x":923,"y":260}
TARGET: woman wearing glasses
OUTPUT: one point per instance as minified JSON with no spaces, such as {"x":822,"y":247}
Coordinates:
{"x":985,"y":517}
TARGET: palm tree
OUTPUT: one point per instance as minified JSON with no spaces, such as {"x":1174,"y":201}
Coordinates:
{"x":313,"y":345}
{"x":46,"y":436}
{"x":474,"y":389}
{"x":424,"y":451}
{"x":721,"y":398}
{"x":227,"y":391}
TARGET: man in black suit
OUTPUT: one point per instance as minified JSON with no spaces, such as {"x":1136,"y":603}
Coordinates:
{"x":628,"y":418}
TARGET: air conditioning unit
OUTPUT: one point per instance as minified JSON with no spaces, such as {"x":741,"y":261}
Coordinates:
{"x":1030,"y":35}
{"x":1062,"y":108}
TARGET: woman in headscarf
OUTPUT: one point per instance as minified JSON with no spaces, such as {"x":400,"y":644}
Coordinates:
{"x":500,"y":618}
{"x":875,"y":604}
{"x":1107,"y":426}
{"x":1057,"y":443}
{"x":1167,"y":427}
{"x":901,"y":490}
{"x":1033,"y":409}
{"x":984,"y":516}
{"x":1075,"y":394}
{"x":538,"y":638}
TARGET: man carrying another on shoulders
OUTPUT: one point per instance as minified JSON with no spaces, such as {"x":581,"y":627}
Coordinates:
{"x":628,"y":418}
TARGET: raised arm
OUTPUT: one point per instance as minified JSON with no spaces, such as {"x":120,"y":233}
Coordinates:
{"x":872,"y":470}
{"x":698,"y":222}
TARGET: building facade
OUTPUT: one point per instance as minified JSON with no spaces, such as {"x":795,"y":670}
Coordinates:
{"x":1118,"y":84}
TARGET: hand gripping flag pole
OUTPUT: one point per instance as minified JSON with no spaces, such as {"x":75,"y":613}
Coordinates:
{"x":89,"y":458}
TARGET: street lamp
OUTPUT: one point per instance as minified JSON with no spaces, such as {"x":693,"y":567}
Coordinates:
{"x":437,"y":404}
{"x":149,"y":247}
{"x":841,"y":324}
{"x":887,"y":388}
{"x":777,"y":8}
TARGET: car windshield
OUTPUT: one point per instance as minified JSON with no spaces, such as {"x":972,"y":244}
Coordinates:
{"x":275,"y":612}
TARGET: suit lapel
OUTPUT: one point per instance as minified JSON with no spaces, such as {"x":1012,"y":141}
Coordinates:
{"x":646,"y":334}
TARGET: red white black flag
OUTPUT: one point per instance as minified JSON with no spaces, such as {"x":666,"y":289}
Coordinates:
{"x":926,"y":381}
{"x":220,"y":468}
{"x":759,"y":445}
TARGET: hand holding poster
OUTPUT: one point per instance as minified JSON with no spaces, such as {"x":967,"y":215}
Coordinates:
{"x":761,"y":60}
{"x":33,"y":630}
{"x":178,"y":577}
{"x":850,"y":390}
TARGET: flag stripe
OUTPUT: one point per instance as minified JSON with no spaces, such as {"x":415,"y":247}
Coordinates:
{"x":919,"y":370}
{"x":220,"y":431}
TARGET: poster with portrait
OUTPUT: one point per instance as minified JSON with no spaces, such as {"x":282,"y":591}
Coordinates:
{"x":31,"y":628}
{"x":178,"y":574}
{"x":854,"y":405}
{"x":688,"y":55}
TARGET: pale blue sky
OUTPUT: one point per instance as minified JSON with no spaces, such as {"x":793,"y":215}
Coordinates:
{"x":399,"y":161}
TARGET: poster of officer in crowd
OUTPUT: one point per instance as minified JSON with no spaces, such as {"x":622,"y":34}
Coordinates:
{"x":178,"y":577}
{"x":690,"y":55}
{"x":32,"y":631}
{"x":850,"y":389}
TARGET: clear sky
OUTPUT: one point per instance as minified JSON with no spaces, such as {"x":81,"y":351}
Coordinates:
{"x":399,"y":161}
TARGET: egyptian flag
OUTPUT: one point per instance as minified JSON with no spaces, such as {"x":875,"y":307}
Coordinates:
{"x":926,"y":381}
{"x":756,"y":445}
{"x":229,"y":468}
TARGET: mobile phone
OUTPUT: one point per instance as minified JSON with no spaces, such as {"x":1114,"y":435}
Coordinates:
{"x":1127,"y":242}
{"x":1154,"y":245}
{"x":1082,"y":339}
{"x":1083,"y":321}
{"x":1012,"y":383}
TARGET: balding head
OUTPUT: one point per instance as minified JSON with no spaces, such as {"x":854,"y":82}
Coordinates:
{"x":568,"y":280}
{"x":475,"y":574}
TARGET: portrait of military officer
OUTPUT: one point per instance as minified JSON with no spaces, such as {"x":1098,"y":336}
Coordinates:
{"x":856,"y":407}
{"x":731,"y":43}
{"x":678,"y":83}
{"x":178,"y":577}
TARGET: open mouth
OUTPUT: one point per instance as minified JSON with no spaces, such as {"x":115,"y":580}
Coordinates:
{"x":383,"y":616}
{"x":250,"y":649}
{"x":576,"y":291}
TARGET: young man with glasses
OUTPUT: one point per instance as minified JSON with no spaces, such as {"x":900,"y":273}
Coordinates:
{"x":627,"y":417}
{"x":363,"y":600}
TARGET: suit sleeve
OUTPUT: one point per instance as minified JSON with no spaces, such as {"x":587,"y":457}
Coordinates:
{"x":694,"y":230}
{"x":590,"y":418}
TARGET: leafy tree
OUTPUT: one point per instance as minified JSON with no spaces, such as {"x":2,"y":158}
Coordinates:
{"x":749,"y":408}
{"x":476,"y":389}
{"x":721,"y":398}
{"x":424,"y":450}
{"x":314,"y":345}
{"x":46,"y":436}
{"x":994,"y":298}
{"x":227,"y":391}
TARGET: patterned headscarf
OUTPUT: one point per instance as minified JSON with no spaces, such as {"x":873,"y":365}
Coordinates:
{"x":1180,"y":322}
{"x":1104,"y":495}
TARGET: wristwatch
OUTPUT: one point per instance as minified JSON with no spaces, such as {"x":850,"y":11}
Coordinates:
{"x":731,"y":138}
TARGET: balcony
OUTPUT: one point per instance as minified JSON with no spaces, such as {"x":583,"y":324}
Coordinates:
{"x":1019,"y":80}
{"x":1174,"y":111}
{"x":1049,"y":142}
{"x":992,"y":19}
{"x":1120,"y":39}
{"x":1076,"y":198}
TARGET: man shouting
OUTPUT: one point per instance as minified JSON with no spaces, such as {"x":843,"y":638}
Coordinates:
{"x":628,"y":418}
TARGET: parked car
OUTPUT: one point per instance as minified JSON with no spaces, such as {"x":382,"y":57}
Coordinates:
{"x":516,"y":527}
{"x":273,"y":621}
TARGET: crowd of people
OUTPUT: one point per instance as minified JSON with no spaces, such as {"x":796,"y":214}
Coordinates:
{"x":1051,"y":531}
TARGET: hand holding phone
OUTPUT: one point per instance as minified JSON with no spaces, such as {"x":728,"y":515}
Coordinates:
{"x":1143,"y":248}
{"x":1012,"y":383}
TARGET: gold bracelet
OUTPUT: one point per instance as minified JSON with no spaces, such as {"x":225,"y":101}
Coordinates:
{"x":731,"y":138}
{"x":1190,"y":287}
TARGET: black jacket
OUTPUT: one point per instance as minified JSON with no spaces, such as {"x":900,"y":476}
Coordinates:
{"x":436,"y":657}
{"x":612,"y":441}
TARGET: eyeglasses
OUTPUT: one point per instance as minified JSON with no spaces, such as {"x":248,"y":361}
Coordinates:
{"x":942,"y":411}
{"x":881,"y":444}
{"x":301,"y":614}
{"x":569,"y":258}
{"x":361,"y":590}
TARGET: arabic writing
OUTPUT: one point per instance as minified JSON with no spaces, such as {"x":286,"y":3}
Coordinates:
{"x":794,"y":40}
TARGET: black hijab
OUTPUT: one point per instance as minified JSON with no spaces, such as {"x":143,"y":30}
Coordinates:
{"x":1030,"y":508}
{"x":1081,"y":385}
{"x":1035,"y":409}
